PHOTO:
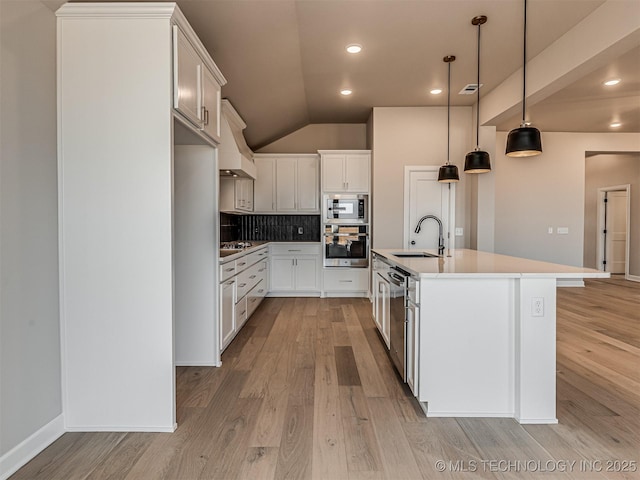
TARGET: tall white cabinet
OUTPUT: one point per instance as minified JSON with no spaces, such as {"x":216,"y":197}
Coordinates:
{"x":138,"y":119}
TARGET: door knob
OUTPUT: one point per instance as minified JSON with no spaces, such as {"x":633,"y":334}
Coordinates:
{"x":413,"y":242}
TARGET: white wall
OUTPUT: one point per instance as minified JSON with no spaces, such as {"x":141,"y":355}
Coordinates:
{"x":414,"y":136}
{"x":320,"y":136}
{"x":30,"y":393}
{"x":535,"y":193}
{"x":608,"y":171}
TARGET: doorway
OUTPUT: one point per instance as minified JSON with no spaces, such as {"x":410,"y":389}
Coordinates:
{"x":613,"y":229}
{"x":423,"y":195}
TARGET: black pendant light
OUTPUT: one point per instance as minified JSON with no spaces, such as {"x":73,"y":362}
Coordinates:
{"x":478,"y":161}
{"x":448,"y":173}
{"x":524,"y":141}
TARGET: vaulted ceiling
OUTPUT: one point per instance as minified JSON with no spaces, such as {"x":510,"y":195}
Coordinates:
{"x":285,"y":60}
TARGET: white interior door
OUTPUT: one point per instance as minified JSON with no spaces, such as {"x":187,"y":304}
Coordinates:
{"x":425,"y":196}
{"x":616,"y":226}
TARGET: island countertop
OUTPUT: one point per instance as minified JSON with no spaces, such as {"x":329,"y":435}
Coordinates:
{"x":460,"y":263}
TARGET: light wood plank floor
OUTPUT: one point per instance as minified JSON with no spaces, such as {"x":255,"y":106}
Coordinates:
{"x":306,"y":391}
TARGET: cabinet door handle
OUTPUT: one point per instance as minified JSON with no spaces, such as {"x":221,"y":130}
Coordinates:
{"x":290,"y":250}
{"x":252,"y":276}
{"x":231,"y":282}
{"x":242,"y":264}
{"x":206,"y":116}
{"x":242,"y":285}
{"x":229,"y":269}
{"x":261,"y":290}
{"x":346,"y":281}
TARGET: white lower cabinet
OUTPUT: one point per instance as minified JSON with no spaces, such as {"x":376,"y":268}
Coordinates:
{"x":382,"y":312}
{"x":339,"y":281}
{"x":242,"y":288}
{"x":227,"y":312}
{"x":295,"y":267}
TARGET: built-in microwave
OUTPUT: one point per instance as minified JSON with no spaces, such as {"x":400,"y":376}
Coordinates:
{"x":343,"y":208}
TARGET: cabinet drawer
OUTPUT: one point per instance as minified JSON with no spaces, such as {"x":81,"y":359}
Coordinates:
{"x":227,"y":270}
{"x":346,"y":280}
{"x":295,"y":248}
{"x":256,"y":256}
{"x":248,"y":279}
{"x":255,"y":296}
{"x":241,"y":313}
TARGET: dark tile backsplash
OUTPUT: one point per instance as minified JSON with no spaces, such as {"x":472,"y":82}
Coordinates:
{"x":271,"y":228}
{"x":280,"y":228}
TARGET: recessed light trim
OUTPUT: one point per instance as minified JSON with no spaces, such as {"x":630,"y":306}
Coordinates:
{"x":612,"y":82}
{"x":436,"y":91}
{"x":346,"y":92}
{"x":354,"y":48}
{"x":615,"y":125}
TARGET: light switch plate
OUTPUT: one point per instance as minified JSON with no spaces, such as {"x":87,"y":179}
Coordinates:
{"x":459,"y":231}
{"x":563,"y":230}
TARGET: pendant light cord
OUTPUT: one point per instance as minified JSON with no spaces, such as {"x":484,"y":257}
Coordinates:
{"x":448,"y":108}
{"x":524,"y":66}
{"x":478,"y":92}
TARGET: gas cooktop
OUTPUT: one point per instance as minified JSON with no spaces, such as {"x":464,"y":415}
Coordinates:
{"x":235,"y":245}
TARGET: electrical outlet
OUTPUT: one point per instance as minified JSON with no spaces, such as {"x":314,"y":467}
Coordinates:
{"x":537,"y":307}
{"x":459,"y":232}
{"x":550,"y":231}
{"x":300,"y":231}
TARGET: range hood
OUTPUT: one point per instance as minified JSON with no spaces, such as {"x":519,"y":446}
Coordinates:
{"x":234,"y":155}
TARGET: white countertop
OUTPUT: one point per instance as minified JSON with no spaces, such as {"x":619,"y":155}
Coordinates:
{"x":472,"y":263}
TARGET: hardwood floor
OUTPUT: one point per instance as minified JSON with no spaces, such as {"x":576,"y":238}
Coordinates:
{"x":307,"y":391}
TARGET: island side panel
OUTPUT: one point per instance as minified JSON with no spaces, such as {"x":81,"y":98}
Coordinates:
{"x":467,"y":359}
{"x":535,"y":395}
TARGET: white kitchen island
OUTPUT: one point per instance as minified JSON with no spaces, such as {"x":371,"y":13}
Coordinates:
{"x":485,"y":338}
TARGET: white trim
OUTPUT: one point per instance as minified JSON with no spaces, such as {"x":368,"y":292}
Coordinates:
{"x":633,"y":278}
{"x":601,"y":226}
{"x":568,"y":282}
{"x":537,"y":421}
{"x":431,"y":414}
{"x":22,"y":453}
{"x":187,"y":363}
{"x":121,"y":428}
{"x":129,"y":9}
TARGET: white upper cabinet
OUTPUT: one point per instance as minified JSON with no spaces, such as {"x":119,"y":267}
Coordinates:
{"x":186,"y":70}
{"x":196,"y":84}
{"x":346,"y":171}
{"x":287,"y":183}
{"x":264,"y":188}
{"x":210,"y":104}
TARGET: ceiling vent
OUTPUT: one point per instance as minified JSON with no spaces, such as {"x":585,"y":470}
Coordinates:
{"x":470,"y":89}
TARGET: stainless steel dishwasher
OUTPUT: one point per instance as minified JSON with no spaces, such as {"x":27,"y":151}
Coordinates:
{"x":398,"y":280}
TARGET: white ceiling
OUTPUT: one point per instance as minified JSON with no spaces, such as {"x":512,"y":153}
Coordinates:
{"x":285,"y":60}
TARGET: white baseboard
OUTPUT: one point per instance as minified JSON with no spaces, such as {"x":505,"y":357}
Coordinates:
{"x":569,"y":282}
{"x":121,"y":428}
{"x":345,"y":295}
{"x":633,"y":278}
{"x":196,"y":364}
{"x":537,"y":421}
{"x":22,"y":453}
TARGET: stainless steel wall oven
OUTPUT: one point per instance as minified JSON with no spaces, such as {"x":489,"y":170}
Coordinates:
{"x":346,"y":245}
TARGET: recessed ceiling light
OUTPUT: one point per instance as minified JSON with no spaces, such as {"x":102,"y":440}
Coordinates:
{"x":612,"y":82}
{"x":436,"y":91}
{"x":346,"y":92}
{"x":615,"y":124}
{"x":354,"y":48}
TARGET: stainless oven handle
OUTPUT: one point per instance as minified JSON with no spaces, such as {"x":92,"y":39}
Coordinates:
{"x":396,"y":279}
{"x":346,"y":234}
